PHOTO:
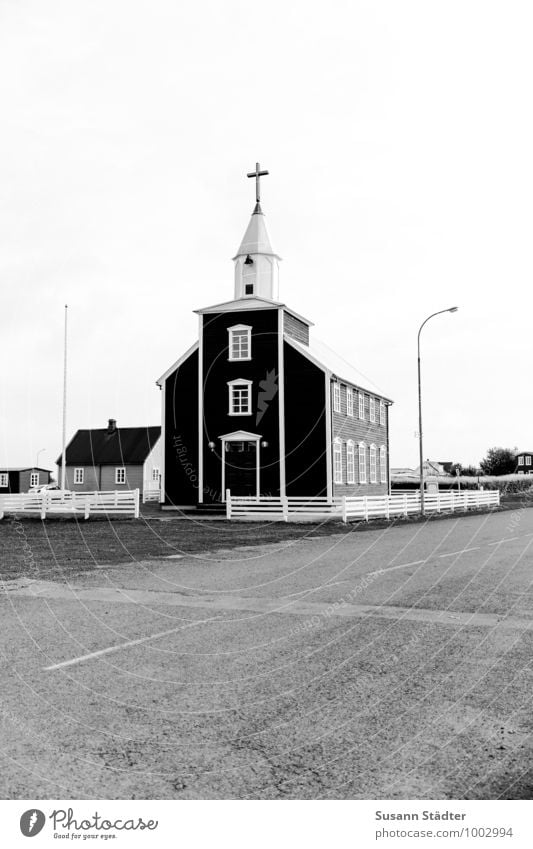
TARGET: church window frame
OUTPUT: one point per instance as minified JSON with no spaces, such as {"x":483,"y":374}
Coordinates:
{"x":337,"y":460}
{"x":362,"y":406}
{"x":373,"y":464}
{"x":362,"y":462}
{"x":382,"y":413}
{"x":336,"y":396}
{"x":383,"y":464}
{"x":240,"y":397}
{"x":239,"y":343}
{"x":350,"y":461}
{"x":349,"y":401}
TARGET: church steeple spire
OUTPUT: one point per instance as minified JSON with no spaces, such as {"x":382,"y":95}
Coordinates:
{"x":256,"y":265}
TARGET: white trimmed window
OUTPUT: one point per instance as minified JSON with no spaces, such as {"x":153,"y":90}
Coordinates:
{"x":372,"y":404}
{"x":361,"y":405}
{"x":350,"y":462}
{"x":521,"y":460}
{"x":382,"y":412}
{"x":4,"y":479}
{"x":362,"y":462}
{"x":155,"y":474}
{"x":120,"y":474}
{"x":337,"y":461}
{"x":336,"y":397}
{"x":240,"y":342}
{"x":240,"y":397}
{"x":373,"y":464}
{"x":528,"y":459}
{"x":79,"y":475}
{"x":383,"y":464}
{"x":349,"y":401}
{"x":34,"y":479}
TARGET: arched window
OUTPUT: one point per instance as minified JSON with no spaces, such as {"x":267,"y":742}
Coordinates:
{"x":383,"y":464}
{"x":362,"y":462}
{"x":350,"y":462}
{"x":373,"y":464}
{"x":337,"y":461}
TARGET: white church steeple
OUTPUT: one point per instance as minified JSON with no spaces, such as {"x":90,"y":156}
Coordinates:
{"x":256,"y":265}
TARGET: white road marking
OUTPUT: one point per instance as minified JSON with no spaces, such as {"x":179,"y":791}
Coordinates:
{"x":401,"y":566}
{"x":462,"y":551}
{"x":125,"y":645}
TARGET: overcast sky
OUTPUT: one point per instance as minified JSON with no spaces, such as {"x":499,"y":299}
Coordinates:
{"x":399,"y":140}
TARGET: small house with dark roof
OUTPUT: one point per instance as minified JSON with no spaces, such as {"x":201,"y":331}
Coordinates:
{"x":258,"y":407}
{"x":22,"y":478}
{"x":114,"y":458}
{"x":524,"y":463}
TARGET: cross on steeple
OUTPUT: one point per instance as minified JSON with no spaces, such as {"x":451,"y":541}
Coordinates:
{"x":257,"y":174}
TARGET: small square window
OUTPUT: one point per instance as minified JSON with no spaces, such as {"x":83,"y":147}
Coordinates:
{"x":155,"y":474}
{"x":4,"y":480}
{"x":240,"y":398}
{"x":248,"y":288}
{"x":79,"y":475}
{"x":240,"y":342}
{"x":120,"y":475}
{"x":34,"y":479}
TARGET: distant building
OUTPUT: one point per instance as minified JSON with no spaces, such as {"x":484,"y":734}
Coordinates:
{"x":434,"y":467}
{"x":114,"y":458}
{"x":524,"y":463}
{"x":22,"y":479}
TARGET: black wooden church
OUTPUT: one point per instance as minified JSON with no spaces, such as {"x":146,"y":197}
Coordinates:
{"x":257,"y":407}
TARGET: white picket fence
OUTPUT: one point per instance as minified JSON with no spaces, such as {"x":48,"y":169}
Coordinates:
{"x":58,"y":503}
{"x":355,"y":508}
{"x":151,"y":493}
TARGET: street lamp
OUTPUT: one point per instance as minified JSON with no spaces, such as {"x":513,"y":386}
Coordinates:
{"x":39,"y":452}
{"x":420,"y":445}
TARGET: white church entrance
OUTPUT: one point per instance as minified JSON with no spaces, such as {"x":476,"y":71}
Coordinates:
{"x":241,"y":464}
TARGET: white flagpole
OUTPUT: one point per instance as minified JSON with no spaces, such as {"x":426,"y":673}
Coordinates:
{"x":64,"y":442}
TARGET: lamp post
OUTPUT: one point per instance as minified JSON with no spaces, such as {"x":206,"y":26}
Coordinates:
{"x":420,"y":437}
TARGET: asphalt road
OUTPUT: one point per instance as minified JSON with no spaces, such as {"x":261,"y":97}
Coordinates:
{"x":394,"y":663}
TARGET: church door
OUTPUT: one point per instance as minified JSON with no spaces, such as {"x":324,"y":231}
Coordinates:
{"x":241,"y":467}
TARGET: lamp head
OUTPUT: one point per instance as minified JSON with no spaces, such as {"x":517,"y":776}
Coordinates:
{"x":453,"y":309}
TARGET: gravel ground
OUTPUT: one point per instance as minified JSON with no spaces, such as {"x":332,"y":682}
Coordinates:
{"x":313,"y":663}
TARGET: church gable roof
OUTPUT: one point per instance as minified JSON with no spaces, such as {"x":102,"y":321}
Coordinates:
{"x":177,"y":364}
{"x":326,"y":359}
{"x":251,"y":302}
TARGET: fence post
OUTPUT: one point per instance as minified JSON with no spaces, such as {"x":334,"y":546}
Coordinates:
{"x":228,"y":504}
{"x":344,"y":510}
{"x":43,"y":506}
{"x":365,"y":505}
{"x":87,"y":506}
{"x":285,"y":508}
{"x":137,"y":498}
{"x":465,"y":502}
{"x":405,"y":506}
{"x":387,"y":501}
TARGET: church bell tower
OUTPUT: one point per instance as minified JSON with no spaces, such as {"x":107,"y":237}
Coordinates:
{"x":256,"y":264}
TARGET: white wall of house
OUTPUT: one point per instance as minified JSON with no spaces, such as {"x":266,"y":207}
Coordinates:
{"x":153,"y":466}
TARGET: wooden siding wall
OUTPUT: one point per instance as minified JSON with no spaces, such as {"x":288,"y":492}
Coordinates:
{"x":218,"y":370}
{"x":134,"y":478}
{"x":295,"y":328}
{"x":91,"y":478}
{"x":181,"y":434}
{"x":305,"y":426}
{"x":345,"y":427}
